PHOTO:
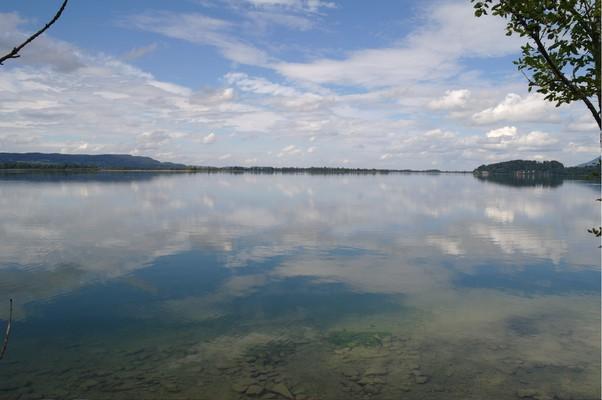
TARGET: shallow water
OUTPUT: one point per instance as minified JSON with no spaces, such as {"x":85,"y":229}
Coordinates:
{"x":224,"y":286}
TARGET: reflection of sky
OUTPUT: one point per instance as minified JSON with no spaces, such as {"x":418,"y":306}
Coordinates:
{"x":376,"y":234}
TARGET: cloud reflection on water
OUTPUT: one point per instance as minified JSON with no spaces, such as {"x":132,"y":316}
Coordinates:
{"x":405,"y":230}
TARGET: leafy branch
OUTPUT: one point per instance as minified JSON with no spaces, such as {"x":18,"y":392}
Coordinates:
{"x":563,"y":54}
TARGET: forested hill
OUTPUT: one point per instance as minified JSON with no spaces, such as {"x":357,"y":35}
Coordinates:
{"x":101,"y":161}
{"x":526,"y":167}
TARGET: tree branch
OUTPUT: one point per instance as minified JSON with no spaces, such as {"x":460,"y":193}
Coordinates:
{"x":565,"y":81}
{"x":7,"y":333}
{"x":554,"y":68}
{"x":14,"y":53}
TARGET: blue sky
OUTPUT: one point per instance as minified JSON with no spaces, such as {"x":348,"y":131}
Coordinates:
{"x":388,"y":84}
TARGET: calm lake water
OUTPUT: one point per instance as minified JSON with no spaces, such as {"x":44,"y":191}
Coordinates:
{"x":138,"y":285}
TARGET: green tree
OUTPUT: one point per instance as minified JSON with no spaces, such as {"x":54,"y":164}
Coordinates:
{"x":561,"y":58}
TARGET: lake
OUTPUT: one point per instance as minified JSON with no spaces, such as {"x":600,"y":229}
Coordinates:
{"x":218,"y":286}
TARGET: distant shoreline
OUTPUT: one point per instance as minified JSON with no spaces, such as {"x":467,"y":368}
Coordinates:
{"x":241,"y":170}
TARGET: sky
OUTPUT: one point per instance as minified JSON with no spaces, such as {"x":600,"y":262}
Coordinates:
{"x":358,"y":84}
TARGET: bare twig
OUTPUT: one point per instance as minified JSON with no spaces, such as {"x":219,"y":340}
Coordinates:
{"x":14,"y":53}
{"x":7,"y":333}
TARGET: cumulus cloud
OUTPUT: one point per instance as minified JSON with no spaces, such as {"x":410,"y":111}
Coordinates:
{"x":508,"y":137}
{"x":516,"y":108}
{"x":452,"y":99}
{"x":509,"y":131}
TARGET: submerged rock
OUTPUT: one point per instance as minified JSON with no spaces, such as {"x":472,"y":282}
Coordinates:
{"x":281,"y":389}
{"x":254,"y":390}
{"x":239,"y":387}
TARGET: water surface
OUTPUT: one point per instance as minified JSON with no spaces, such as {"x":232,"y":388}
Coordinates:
{"x":396,"y":286}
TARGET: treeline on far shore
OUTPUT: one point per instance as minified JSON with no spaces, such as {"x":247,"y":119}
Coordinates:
{"x":209,"y":169}
{"x":22,"y":165}
{"x":528,"y":168}
{"x":311,"y":170}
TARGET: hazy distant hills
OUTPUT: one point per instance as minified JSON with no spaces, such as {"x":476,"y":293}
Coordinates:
{"x":102,"y":161}
{"x":591,"y":163}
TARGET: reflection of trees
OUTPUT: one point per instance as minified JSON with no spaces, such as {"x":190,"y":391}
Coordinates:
{"x":79,"y":176}
{"x":544,"y":180}
{"x":7,"y":332}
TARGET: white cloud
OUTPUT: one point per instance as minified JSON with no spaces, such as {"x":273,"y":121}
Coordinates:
{"x":58,"y":54}
{"x":452,"y":99}
{"x":200,"y":29}
{"x":584,"y":123}
{"x":210,"y":138}
{"x":515,"y":108}
{"x":422,"y":56}
{"x":54,"y":108}
{"x":298,"y":5}
{"x":290,"y":150}
{"x":536,"y":139}
{"x":439,"y":134}
{"x":507,"y":131}
{"x":139,"y":52}
{"x":111,"y":95}
{"x":509,"y":138}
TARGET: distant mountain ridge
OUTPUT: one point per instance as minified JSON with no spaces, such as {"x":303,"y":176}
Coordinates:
{"x":102,"y":161}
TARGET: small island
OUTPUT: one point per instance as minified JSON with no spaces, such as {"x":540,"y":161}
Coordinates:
{"x":529,"y":168}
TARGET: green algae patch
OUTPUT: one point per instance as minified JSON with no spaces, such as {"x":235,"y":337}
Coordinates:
{"x":354,"y":339}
